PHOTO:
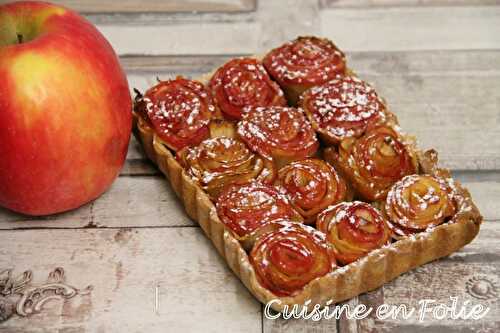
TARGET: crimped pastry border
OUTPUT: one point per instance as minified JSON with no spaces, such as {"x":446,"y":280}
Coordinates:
{"x":368,"y":273}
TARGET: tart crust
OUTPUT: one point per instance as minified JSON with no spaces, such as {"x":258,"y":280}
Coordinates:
{"x":368,"y":273}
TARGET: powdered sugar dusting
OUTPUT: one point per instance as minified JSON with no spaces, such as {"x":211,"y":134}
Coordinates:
{"x":220,"y":159}
{"x":244,"y":82}
{"x":412,"y":199}
{"x":306,"y":59}
{"x":277,"y":128}
{"x":179,"y":108}
{"x":344,"y":107}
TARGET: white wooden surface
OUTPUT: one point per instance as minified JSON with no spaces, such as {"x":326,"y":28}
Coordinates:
{"x":437,"y":62}
{"x":196,"y":291}
{"x":153,"y":6}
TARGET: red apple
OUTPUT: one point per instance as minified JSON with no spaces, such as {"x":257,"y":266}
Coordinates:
{"x":65,"y":109}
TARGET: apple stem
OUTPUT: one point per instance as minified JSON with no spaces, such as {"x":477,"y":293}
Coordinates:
{"x":137,"y":93}
{"x":20,"y":38}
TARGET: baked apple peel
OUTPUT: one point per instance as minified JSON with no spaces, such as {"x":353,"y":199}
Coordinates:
{"x":312,"y":185}
{"x":303,"y":63}
{"x":281,"y":134}
{"x":244,"y":209}
{"x":287,"y":259}
{"x":418,"y":202}
{"x":354,"y":229}
{"x":221,"y":161}
{"x":243,"y":83}
{"x":343,"y":107}
{"x":179,"y":110}
{"x":374,"y":162}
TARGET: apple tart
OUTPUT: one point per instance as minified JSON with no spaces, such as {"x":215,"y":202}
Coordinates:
{"x":277,"y":202}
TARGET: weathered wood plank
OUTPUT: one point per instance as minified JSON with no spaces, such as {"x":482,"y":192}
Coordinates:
{"x":461,"y":141}
{"x":155,"y":6}
{"x":137,"y":163}
{"x":210,"y":33}
{"x":401,"y":3}
{"x":197,"y":292}
{"x":419,"y":28}
{"x":485,"y":243}
{"x":486,"y":197}
{"x":80,"y":218}
{"x":140,"y":201}
{"x":353,"y":29}
{"x":196,"y":37}
{"x":139,"y":167}
{"x":280,"y":21}
{"x":428,"y":90}
{"x":130,"y":202}
{"x":412,"y":28}
{"x":472,"y":274}
{"x":432,"y":62}
{"x":281,"y":325}
{"x":173,"y":65}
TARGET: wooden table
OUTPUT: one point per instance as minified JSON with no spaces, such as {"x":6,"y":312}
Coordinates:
{"x":152,"y":270}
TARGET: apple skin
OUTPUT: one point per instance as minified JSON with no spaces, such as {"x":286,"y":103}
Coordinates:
{"x":65,"y":110}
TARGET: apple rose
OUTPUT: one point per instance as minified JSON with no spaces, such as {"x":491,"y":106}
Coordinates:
{"x":418,"y":202}
{"x":354,"y":229}
{"x":374,"y":162}
{"x":221,"y":161}
{"x":246,"y":208}
{"x":344,"y":107}
{"x":179,"y":110}
{"x":242,"y":83}
{"x":278,"y":133}
{"x":288,"y":258}
{"x":312,"y":185}
{"x":303,"y":63}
